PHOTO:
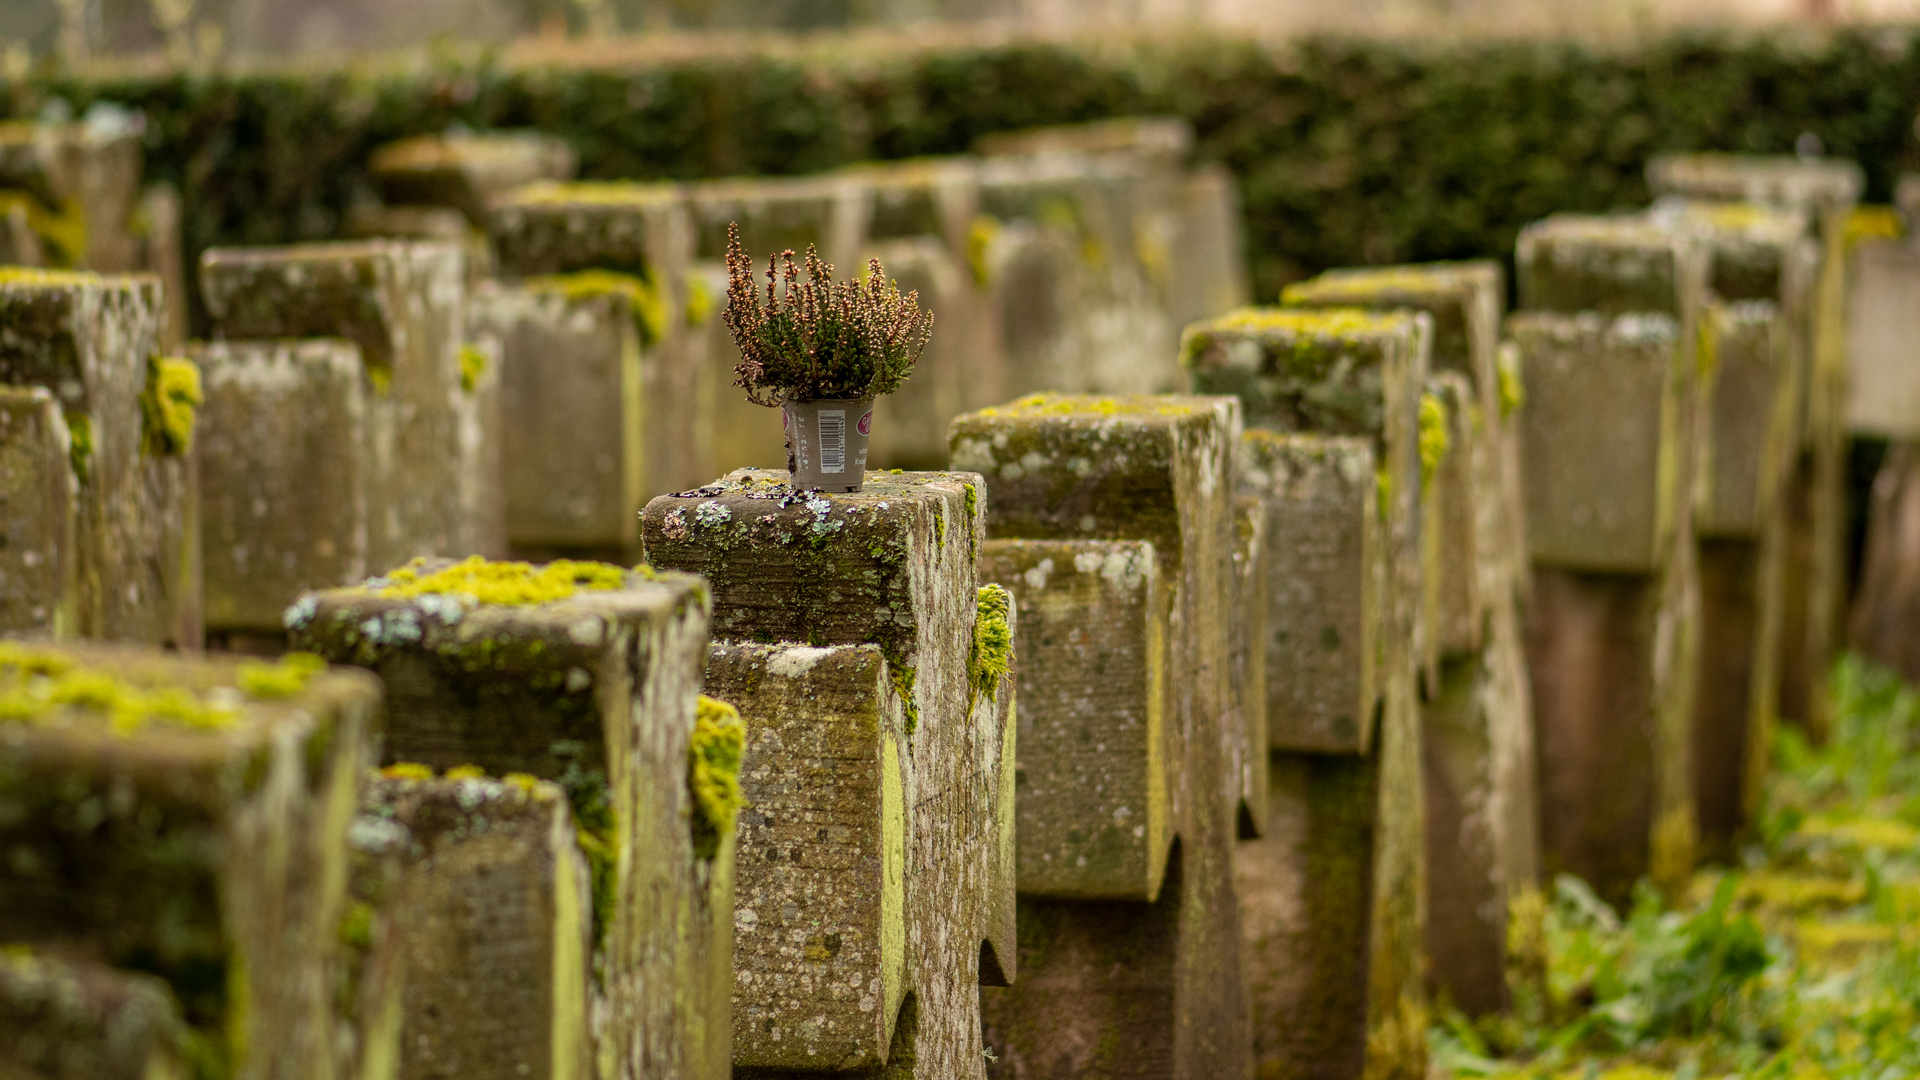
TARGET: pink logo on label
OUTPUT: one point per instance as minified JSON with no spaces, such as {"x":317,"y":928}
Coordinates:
{"x":783,"y":419}
{"x":866,"y":423}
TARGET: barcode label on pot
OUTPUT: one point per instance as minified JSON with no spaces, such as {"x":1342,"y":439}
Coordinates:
{"x":833,"y":440}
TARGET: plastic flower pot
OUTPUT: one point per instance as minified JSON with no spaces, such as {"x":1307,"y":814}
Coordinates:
{"x":827,"y":442}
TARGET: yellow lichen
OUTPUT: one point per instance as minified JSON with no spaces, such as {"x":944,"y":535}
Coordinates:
{"x":700,"y":303}
{"x":981,"y":233}
{"x":713,"y":773}
{"x":644,"y":296}
{"x":465,"y":772}
{"x":1874,"y":223}
{"x":168,"y":405}
{"x":1434,"y":437}
{"x":473,"y":364}
{"x":511,"y":583}
{"x":39,"y":686}
{"x":1513,"y":392}
{"x":407,"y":770}
{"x":62,"y":231}
{"x":285,"y":679}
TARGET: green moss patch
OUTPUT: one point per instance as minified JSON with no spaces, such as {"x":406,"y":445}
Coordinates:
{"x":713,"y":773}
{"x":992,"y":656}
{"x":643,"y":294}
{"x":45,"y":686}
{"x":169,"y":405}
{"x":1434,"y":437}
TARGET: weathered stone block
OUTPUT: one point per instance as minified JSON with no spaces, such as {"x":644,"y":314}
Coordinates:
{"x":285,"y":475}
{"x":1094,"y":802}
{"x":1153,"y":469}
{"x":1611,"y":265}
{"x":1076,"y":252}
{"x":83,"y":180}
{"x":1602,"y":438}
{"x":910,"y":424}
{"x":1465,"y":300}
{"x":93,"y":342}
{"x":1248,"y":670}
{"x":1757,"y":178}
{"x":1163,"y":138}
{"x":1208,"y":275}
{"x":1323,"y":617}
{"x":84,"y":1021}
{"x":595,"y":421}
{"x":1452,"y":511}
{"x":1883,"y":384}
{"x":403,"y":304}
{"x":188,"y":818}
{"x":1344,"y":372}
{"x":892,"y":566}
{"x":468,"y":172}
{"x":828,"y":212}
{"x":552,"y":228}
{"x":1825,"y":191}
{"x":1751,"y":443}
{"x":820,"y":913}
{"x":40,"y":563}
{"x":585,"y":674}
{"x":477,"y":899}
{"x":938,"y":197}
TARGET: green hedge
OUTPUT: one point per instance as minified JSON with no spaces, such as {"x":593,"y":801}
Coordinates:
{"x":1349,"y":151}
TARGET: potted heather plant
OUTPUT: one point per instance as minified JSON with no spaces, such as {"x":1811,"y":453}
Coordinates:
{"x":821,"y":350}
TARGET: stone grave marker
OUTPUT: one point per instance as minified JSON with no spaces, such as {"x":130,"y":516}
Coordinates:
{"x":188,"y":817}
{"x":79,"y":1020}
{"x":1332,"y":400}
{"x":432,"y":418}
{"x":92,"y":341}
{"x":862,"y":654}
{"x":587,"y":675}
{"x":1131,"y":500}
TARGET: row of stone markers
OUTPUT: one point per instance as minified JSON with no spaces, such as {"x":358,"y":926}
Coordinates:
{"x":1685,"y":503}
{"x":1058,"y":259}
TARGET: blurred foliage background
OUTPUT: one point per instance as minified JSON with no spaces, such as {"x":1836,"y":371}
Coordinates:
{"x":1349,"y":151}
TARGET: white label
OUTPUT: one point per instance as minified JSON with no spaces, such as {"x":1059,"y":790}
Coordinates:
{"x":833,"y":440}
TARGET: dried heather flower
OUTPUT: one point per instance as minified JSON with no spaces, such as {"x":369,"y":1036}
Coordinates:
{"x":815,"y":337}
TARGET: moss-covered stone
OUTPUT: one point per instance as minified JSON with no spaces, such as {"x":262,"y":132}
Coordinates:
{"x":887,"y":574}
{"x":432,"y":447}
{"x":473,"y":936}
{"x":40,"y":564}
{"x":1750,"y":417}
{"x":600,"y":411}
{"x":1602,"y":436}
{"x":1571,"y":263}
{"x":1139,"y":468}
{"x":468,"y":172}
{"x":587,"y":676}
{"x":1096,"y":760}
{"x":165,"y":820}
{"x":554,"y":228}
{"x":71,"y":1020}
{"x":286,"y":475}
{"x":81,"y":184}
{"x":1757,"y":178}
{"x":89,"y":340}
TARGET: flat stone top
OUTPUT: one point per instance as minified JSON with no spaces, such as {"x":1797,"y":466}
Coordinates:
{"x":493,"y":150}
{"x":1279,"y":326}
{"x":770,"y":189}
{"x":428,"y":594}
{"x":1611,"y":231}
{"x":912,"y":173}
{"x":602,"y":195}
{"x":1136,"y":410}
{"x":1636,"y":330}
{"x":1757,"y":178}
{"x":331,"y":252}
{"x":761,"y":500}
{"x":1264,"y":446}
{"x":1419,"y":284}
{"x":112,"y":694}
{"x":27,"y":281}
{"x":406,"y":808}
{"x":1731,"y":222}
{"x":1149,"y":134}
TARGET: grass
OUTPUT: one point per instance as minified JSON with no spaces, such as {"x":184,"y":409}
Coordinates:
{"x":1803,"y":962}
